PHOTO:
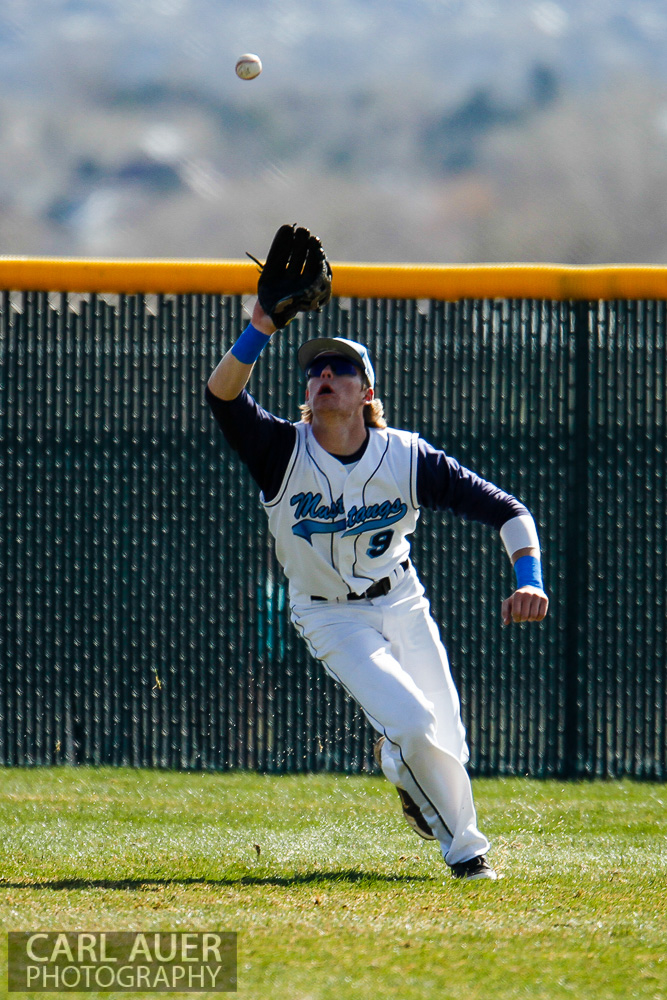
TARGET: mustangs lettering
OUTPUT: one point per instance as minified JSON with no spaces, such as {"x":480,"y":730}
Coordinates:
{"x":366,"y":518}
{"x":340,"y":528}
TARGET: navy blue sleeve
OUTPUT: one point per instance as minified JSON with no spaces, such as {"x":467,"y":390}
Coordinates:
{"x":262,"y":441}
{"x":444,"y":484}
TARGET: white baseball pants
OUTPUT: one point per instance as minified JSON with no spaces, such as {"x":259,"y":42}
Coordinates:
{"x":388,"y":656}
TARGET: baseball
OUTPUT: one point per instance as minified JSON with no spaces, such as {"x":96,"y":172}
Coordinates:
{"x":248,"y":66}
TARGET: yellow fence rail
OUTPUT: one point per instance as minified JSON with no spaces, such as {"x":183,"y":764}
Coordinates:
{"x":405,"y":281}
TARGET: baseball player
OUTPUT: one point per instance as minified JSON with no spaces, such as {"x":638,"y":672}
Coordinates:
{"x":343,"y":492}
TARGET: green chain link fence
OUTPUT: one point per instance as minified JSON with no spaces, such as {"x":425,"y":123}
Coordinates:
{"x":144,"y":618}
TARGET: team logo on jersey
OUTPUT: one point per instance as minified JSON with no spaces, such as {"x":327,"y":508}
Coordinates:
{"x":374,"y":516}
{"x":313,"y":517}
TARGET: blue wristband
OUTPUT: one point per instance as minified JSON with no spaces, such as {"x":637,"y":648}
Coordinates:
{"x":528,"y":572}
{"x":250,"y":345}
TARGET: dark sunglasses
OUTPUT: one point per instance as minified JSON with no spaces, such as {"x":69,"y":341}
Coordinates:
{"x":338,"y":365}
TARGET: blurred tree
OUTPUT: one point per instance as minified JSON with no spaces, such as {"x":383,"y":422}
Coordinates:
{"x":543,"y":85}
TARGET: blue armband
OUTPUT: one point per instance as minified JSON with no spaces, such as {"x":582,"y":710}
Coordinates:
{"x":528,"y":572}
{"x":250,"y":345}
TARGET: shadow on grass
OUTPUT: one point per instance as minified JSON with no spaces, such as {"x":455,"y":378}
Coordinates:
{"x":350,"y":877}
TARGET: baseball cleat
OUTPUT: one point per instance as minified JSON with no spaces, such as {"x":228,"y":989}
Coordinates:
{"x":377,"y":751}
{"x":412,"y":815}
{"x":476,"y":868}
{"x":411,"y":812}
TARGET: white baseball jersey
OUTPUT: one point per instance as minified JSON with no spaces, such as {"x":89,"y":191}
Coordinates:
{"x":338,"y":528}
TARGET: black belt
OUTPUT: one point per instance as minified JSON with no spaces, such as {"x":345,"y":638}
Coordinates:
{"x":377,"y":589}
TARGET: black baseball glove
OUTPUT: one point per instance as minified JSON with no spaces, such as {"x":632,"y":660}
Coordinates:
{"x":296,"y":276}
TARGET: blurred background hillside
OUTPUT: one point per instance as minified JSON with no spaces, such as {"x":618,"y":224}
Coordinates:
{"x":399,"y":130}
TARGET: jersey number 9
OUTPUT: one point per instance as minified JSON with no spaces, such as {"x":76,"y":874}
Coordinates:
{"x":379,"y":543}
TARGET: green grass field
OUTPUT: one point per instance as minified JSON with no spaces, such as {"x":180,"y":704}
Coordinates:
{"x":333,"y":897}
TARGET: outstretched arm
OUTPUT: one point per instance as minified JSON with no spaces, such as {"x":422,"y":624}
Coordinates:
{"x":231,"y":375}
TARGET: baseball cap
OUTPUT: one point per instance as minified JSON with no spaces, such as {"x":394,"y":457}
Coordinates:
{"x":337,"y":345}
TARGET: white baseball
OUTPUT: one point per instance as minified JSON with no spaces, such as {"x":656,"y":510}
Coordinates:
{"x":248,"y":66}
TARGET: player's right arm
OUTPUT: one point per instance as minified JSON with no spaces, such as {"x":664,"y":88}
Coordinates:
{"x":262,"y":441}
{"x":296,"y":277}
{"x":232,"y":374}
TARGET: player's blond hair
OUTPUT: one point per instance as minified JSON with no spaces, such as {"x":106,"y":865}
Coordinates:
{"x":373,"y":414}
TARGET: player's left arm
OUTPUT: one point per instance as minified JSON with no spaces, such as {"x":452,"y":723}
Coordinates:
{"x":444,"y":484}
{"x":529,"y":602}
